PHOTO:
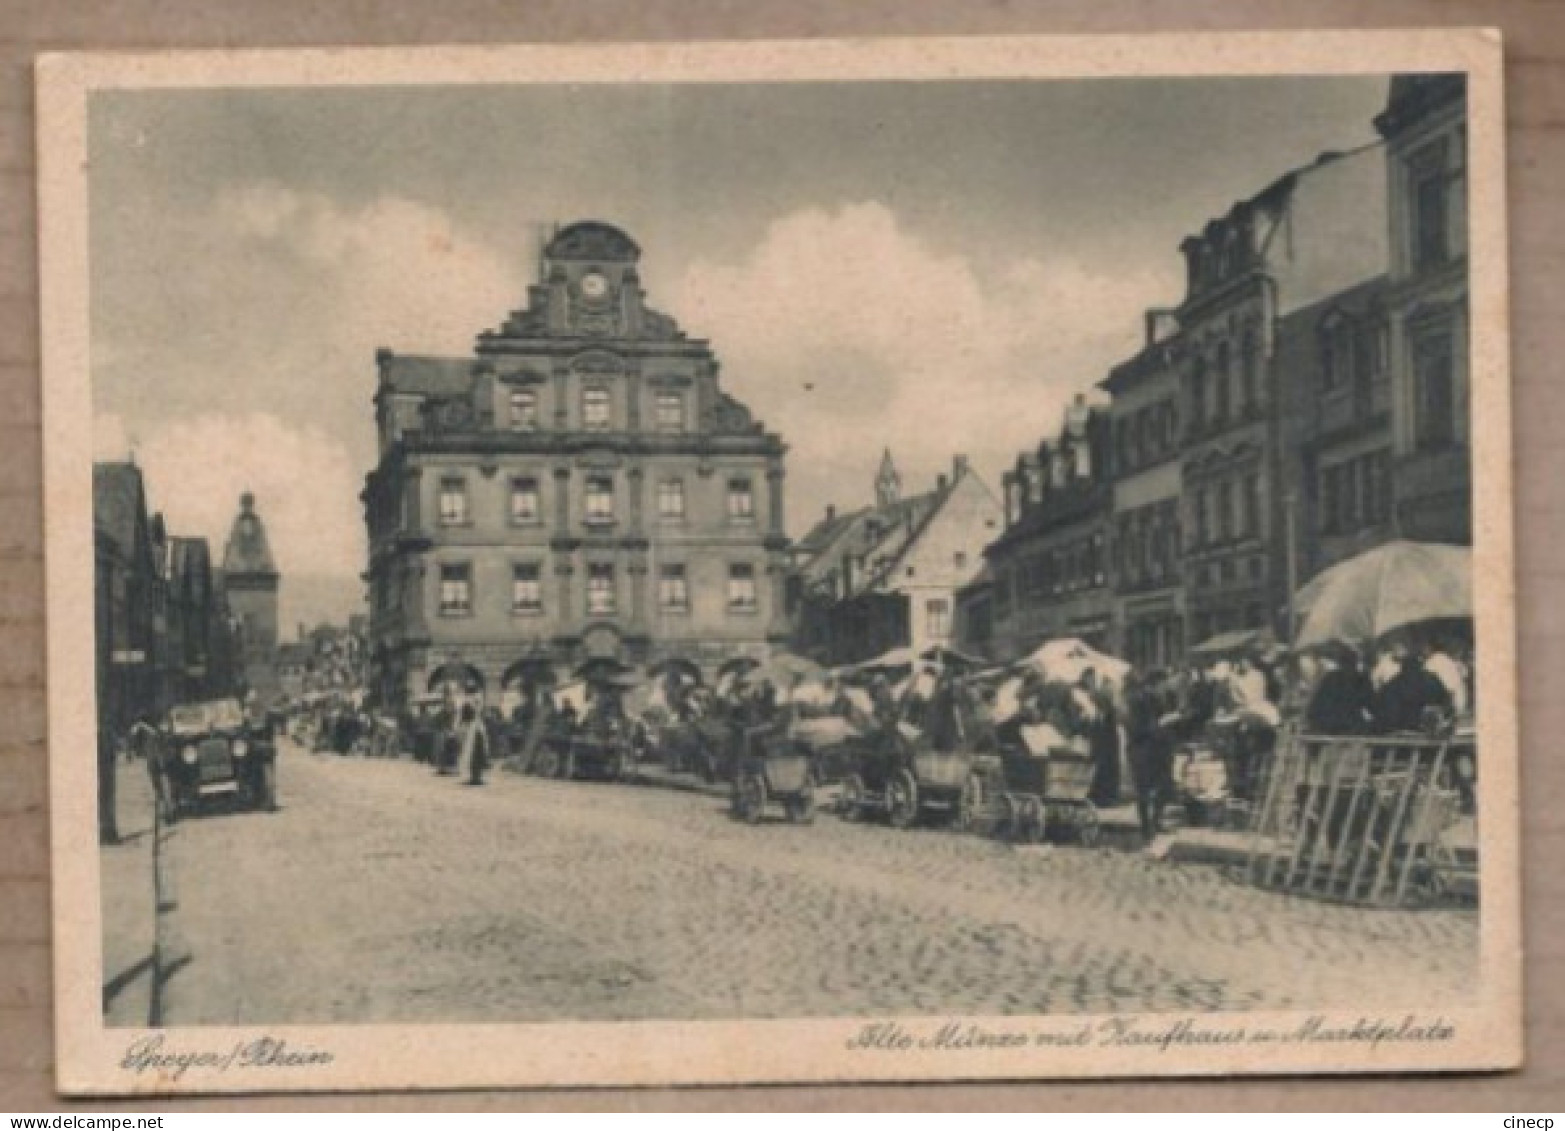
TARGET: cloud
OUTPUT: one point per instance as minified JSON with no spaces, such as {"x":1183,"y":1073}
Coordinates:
{"x":305,"y":484}
{"x":848,"y":333}
{"x":273,"y":299}
{"x":234,"y":346}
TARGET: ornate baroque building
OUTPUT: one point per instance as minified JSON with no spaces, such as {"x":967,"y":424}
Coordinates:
{"x":581,"y":487}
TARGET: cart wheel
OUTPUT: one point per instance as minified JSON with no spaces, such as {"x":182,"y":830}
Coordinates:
{"x":1089,"y":831}
{"x":902,"y":800}
{"x":546,"y":763}
{"x":1013,"y":814}
{"x":969,"y":804}
{"x":568,"y":765}
{"x":617,"y":765}
{"x":1037,"y":821}
{"x":752,"y":798}
{"x":851,"y":803}
{"x":801,"y":806}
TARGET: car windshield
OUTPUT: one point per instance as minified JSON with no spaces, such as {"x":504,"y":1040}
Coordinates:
{"x":221,"y":714}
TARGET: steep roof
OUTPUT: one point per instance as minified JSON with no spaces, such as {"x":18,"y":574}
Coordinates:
{"x":421,"y":375}
{"x":248,"y":551}
{"x":119,"y":502}
{"x":876,"y":534}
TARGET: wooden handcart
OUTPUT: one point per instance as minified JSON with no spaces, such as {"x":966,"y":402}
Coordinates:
{"x":774,"y":768}
{"x":1031,"y":798}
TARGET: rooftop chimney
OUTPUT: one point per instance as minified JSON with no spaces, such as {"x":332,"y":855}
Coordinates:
{"x":959,"y":468}
{"x":831,"y":511}
{"x":941,"y":483}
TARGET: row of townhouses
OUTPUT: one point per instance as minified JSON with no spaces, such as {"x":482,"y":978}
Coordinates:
{"x":581,"y":487}
{"x":172,"y":626}
{"x":1304,"y":401}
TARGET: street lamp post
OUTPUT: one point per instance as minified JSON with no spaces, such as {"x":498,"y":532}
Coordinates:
{"x":1291,"y":548}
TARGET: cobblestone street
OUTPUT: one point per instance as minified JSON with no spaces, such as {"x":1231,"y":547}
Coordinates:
{"x":382,"y":892}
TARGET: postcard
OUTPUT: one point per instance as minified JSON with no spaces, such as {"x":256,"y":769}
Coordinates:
{"x":800,"y":561}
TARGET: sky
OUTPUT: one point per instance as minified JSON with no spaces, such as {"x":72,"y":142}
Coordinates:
{"x":933,"y":268}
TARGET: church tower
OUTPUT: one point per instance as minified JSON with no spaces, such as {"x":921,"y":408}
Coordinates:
{"x":888,"y":484}
{"x":250,"y":579}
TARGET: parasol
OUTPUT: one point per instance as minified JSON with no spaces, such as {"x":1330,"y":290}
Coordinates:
{"x":677,"y":666}
{"x":458,"y":672}
{"x":1228,"y":645}
{"x":1068,"y":659}
{"x":893,"y":660}
{"x":1390,"y":587}
{"x":783,"y":670}
{"x":535,"y":671}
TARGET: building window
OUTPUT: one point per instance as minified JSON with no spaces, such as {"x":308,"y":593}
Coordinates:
{"x":1250,"y":359}
{"x":1434,"y":389}
{"x":741,"y":501}
{"x":1336,"y":357}
{"x":1197,"y":397}
{"x":1252,"y":506}
{"x":1328,"y":500}
{"x":600,"y":590}
{"x":741,"y":588}
{"x":600,"y":500}
{"x":456,"y":590}
{"x":959,"y":559}
{"x":937,"y":617}
{"x":524,"y":501}
{"x":671,"y":500}
{"x":595,"y":409}
{"x":1223,"y":392}
{"x":1429,"y":197}
{"x":453,"y":501}
{"x":526,"y":588}
{"x":1203,"y":527}
{"x":524,"y":410}
{"x":673,"y":589}
{"x":670,"y":412}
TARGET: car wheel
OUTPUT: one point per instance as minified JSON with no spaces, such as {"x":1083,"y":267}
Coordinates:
{"x":752,"y":798}
{"x":969,"y":804}
{"x":851,"y":803}
{"x":801,"y":806}
{"x":902,"y":800}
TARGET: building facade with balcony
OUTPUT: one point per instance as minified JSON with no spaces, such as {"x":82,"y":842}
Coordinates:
{"x":1312,"y":234}
{"x":581,"y":487}
{"x":1050,"y":566}
{"x":1337,"y":417}
{"x":1425,"y":129}
{"x":1149,"y":597}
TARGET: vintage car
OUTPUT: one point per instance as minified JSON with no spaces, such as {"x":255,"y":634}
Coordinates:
{"x":214,"y":750}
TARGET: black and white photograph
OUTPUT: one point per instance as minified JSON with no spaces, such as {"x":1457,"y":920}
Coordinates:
{"x":742,"y":563}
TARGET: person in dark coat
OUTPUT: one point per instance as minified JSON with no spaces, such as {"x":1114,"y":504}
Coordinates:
{"x":1403,"y":703}
{"x":1343,"y":702}
{"x":1149,"y":752}
{"x":473,"y":736}
{"x":1103,"y":741}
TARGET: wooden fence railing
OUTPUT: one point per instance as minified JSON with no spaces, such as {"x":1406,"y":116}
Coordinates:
{"x":1355,"y":819}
